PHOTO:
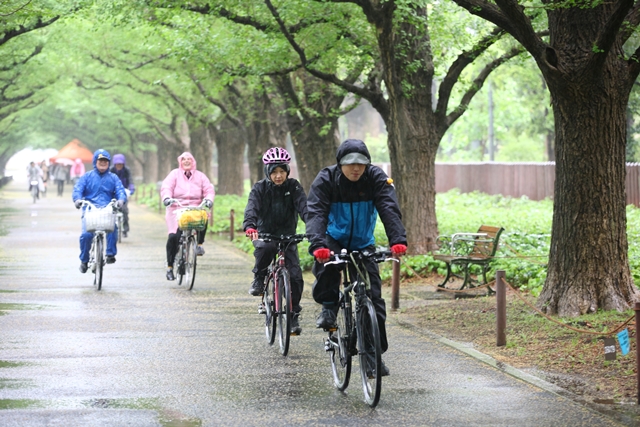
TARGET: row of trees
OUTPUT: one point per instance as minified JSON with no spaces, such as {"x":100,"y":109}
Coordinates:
{"x":169,"y":76}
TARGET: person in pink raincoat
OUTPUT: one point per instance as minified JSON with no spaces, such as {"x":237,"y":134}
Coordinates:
{"x":77,"y":170}
{"x":191,"y":188}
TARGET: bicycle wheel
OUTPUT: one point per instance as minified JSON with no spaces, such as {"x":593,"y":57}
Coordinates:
{"x":269,"y":310}
{"x":370,"y":352}
{"x":284,"y":311}
{"x":34,"y":192}
{"x":99,"y":261}
{"x":339,"y":347}
{"x":119,"y":225}
{"x":190,"y":262}
{"x":178,"y":263}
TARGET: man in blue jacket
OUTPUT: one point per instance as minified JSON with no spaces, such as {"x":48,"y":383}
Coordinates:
{"x":98,"y":186}
{"x":343,"y":204}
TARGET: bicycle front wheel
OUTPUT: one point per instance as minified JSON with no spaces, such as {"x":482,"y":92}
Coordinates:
{"x":370,"y":352}
{"x":284,"y":311}
{"x":190,"y":262}
{"x":34,"y":193}
{"x":99,"y":253}
{"x":339,"y":345}
{"x":270,"y":310}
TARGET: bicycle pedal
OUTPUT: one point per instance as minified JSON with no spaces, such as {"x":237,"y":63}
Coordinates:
{"x":261,"y":309}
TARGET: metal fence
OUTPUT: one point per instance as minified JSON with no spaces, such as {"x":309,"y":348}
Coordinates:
{"x":534,"y":180}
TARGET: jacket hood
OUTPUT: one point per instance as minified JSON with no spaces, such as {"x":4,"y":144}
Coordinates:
{"x":119,"y":158}
{"x":352,"y":146}
{"x":268,"y":169}
{"x":101,"y":154}
{"x":187,"y":154}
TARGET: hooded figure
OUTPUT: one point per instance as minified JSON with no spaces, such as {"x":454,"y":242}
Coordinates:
{"x":344,"y":202}
{"x":121,"y":169}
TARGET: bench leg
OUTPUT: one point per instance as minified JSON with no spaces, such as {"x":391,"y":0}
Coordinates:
{"x":446,"y":279}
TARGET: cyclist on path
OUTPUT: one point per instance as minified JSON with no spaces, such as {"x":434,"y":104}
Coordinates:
{"x":98,"y":186}
{"x":34,"y":173}
{"x":190,"y":187}
{"x":344,"y":202}
{"x":124,"y":173}
{"x":273,"y":207}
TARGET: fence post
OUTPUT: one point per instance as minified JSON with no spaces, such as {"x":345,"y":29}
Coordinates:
{"x":231,"y":226}
{"x":501,"y":309}
{"x":395,"y":285}
{"x":637,"y":309}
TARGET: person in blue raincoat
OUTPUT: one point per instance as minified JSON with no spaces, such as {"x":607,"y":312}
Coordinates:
{"x":98,"y":186}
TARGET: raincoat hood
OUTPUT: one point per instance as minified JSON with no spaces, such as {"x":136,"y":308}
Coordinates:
{"x":101,"y":154}
{"x":119,"y":158}
{"x":352,"y":146}
{"x":193,"y":161}
{"x":268,"y":169}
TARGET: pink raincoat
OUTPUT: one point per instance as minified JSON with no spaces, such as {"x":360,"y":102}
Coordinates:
{"x":78,"y":169}
{"x":190,"y":191}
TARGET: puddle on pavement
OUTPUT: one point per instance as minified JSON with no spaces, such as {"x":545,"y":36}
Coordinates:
{"x":166,"y":418}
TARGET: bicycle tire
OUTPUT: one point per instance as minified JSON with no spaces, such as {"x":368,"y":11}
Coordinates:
{"x":339,"y":342}
{"x":284,"y":311}
{"x":190,"y":262}
{"x":119,"y":226}
{"x":34,"y":193}
{"x":178,"y":264}
{"x":370,"y":352}
{"x":99,"y":261}
{"x":269,"y":310}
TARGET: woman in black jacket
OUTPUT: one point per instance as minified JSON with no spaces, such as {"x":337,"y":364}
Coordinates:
{"x":274,"y":205}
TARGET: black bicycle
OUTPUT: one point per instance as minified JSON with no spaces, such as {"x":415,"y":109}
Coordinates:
{"x":191,"y":219}
{"x":357,"y":330}
{"x":276,"y":304}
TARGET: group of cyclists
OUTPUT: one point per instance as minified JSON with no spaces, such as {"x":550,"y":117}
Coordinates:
{"x":340,"y":212}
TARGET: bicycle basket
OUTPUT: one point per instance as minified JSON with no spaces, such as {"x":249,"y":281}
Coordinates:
{"x":100,"y":219}
{"x":192,"y":219}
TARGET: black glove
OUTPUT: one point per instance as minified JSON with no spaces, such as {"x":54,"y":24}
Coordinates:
{"x":207,"y":203}
{"x":78,"y":203}
{"x":120,"y":204}
{"x":166,"y":201}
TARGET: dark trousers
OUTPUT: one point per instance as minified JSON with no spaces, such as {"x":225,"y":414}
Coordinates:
{"x":327,"y":286}
{"x":264,"y":253}
{"x":125,"y":217}
{"x":174,"y":240}
{"x":60,"y":183}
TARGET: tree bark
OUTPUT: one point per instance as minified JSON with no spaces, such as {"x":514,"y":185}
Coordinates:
{"x":230,"y":144}
{"x":201,"y":145}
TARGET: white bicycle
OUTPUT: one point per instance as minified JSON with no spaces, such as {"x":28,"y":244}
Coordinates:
{"x":99,"y":221}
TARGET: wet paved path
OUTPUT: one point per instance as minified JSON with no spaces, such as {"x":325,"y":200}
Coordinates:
{"x":144,"y":352}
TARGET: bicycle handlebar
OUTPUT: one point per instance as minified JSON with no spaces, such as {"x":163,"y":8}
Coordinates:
{"x":179,"y":203}
{"x":112,"y":203}
{"x":283,"y":238}
{"x":344,"y":257}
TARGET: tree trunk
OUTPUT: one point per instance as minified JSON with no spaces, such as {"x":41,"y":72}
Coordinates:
{"x":201,"y":149}
{"x":230,"y":145}
{"x":413,"y":133}
{"x":588,"y":261}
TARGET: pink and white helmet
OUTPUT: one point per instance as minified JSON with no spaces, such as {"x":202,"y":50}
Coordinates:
{"x":276,"y":155}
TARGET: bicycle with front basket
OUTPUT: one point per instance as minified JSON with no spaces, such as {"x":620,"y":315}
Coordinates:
{"x":356,"y":333}
{"x":100,"y":222}
{"x":191,"y":219}
{"x":276,"y":302}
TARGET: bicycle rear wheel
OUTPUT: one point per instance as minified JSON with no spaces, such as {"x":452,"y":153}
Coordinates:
{"x":284,"y":311}
{"x":269,"y":310}
{"x":339,"y":345}
{"x":370,"y":352}
{"x":190,"y":262}
{"x":119,"y":225}
{"x":99,"y":253}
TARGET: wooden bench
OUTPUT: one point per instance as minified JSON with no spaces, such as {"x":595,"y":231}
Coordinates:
{"x":463,"y":250}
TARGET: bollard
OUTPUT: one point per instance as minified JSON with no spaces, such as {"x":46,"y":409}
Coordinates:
{"x":501,"y":309}
{"x":637,"y":309}
{"x":395,"y":285}
{"x":231,"y":227}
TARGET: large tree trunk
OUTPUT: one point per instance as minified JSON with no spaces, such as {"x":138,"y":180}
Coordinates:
{"x":588,"y":262}
{"x":413,"y":134}
{"x":201,"y":145}
{"x":259,"y":137}
{"x":230,"y":144}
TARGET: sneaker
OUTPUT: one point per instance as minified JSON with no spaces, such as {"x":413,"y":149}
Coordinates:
{"x":199,"y":250}
{"x":295,"y":324}
{"x":384,"y":371}
{"x":111,"y":259}
{"x":83,"y":267}
{"x":257,"y":287}
{"x":170,"y":275}
{"x":262,"y":309}
{"x":326,"y":319}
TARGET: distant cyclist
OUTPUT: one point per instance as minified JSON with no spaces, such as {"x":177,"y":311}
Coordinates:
{"x":124,"y":173}
{"x":344,"y":202}
{"x":191,"y":188}
{"x":273,"y":207}
{"x":34,"y":174}
{"x":98,"y":186}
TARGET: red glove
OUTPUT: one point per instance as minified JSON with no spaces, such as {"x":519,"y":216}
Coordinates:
{"x":251,"y":233}
{"x":399,"y":249}
{"x":322,"y":254}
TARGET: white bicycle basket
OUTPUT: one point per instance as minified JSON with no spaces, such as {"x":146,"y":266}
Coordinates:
{"x":100,"y":219}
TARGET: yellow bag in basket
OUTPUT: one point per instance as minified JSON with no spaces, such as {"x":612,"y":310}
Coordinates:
{"x":193,"y":219}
